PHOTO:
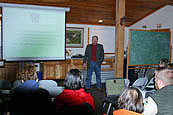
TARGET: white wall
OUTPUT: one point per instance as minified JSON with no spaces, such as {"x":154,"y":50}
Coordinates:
{"x":106,"y":36}
{"x":162,"y":16}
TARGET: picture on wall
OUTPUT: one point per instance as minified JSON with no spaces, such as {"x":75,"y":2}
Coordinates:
{"x":74,"y":37}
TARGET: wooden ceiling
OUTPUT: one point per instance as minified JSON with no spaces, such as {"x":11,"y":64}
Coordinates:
{"x":90,"y":11}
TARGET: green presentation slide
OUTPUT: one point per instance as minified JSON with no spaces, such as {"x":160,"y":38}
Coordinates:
{"x":33,"y":34}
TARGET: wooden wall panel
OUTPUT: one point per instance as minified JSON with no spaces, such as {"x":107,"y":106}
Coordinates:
{"x":59,"y":69}
{"x":50,"y":70}
{"x":9,"y":72}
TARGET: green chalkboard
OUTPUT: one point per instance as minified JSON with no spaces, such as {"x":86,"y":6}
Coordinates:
{"x":148,"y":47}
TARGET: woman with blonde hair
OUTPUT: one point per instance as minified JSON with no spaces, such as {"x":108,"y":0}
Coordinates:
{"x":130,"y":102}
{"x":28,"y":77}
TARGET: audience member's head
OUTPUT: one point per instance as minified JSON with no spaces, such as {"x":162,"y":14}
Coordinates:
{"x":74,"y":80}
{"x":164,"y":77}
{"x":28,"y":73}
{"x":28,"y":77}
{"x":131,"y":99}
{"x":163,"y":62}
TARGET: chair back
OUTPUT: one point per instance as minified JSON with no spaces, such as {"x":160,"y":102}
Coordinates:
{"x":51,"y":86}
{"x":151,"y":84}
{"x":140,"y":82}
{"x":54,"y":91}
{"x":127,"y":82}
{"x":17,"y":83}
{"x":5,"y":84}
{"x":114,"y":86}
{"x":30,"y":101}
{"x":47,"y":83}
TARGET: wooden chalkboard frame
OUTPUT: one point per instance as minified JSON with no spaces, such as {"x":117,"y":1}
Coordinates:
{"x":129,"y":46}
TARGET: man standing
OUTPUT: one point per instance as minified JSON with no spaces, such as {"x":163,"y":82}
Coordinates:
{"x":94,"y":56}
{"x":161,"y":102}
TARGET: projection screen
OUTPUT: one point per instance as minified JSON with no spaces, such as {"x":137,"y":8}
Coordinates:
{"x":33,"y":33}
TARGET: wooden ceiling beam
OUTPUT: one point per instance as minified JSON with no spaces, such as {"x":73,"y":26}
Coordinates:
{"x":92,"y":9}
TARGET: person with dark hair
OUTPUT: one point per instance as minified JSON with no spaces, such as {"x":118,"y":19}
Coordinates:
{"x":74,"y":80}
{"x":163,"y":62}
{"x":130,"y":102}
{"x":160,"y":102}
{"x":94,"y":56}
{"x":73,"y":94}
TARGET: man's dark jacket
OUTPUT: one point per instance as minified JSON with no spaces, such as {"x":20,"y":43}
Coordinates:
{"x":164,"y":101}
{"x":99,"y":54}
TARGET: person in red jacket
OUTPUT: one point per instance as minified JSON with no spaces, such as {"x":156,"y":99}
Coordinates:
{"x":74,"y":94}
{"x":130,"y":102}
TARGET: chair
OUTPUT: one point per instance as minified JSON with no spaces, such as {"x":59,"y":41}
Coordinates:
{"x":127,"y":82}
{"x":5,"y":87}
{"x":47,"y":83}
{"x":114,"y":88}
{"x":149,"y":88}
{"x":151,"y":84}
{"x":51,"y":86}
{"x":5,"y":84}
{"x":17,"y":83}
{"x":54,"y":91}
{"x":140,"y":83}
{"x":30,"y":102}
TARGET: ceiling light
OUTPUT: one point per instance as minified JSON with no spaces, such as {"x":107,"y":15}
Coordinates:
{"x":100,"y":21}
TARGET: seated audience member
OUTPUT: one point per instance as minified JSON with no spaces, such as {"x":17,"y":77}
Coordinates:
{"x":161,"y":102}
{"x":163,"y":62}
{"x":29,"y":78}
{"x":130,"y":102}
{"x":74,"y":95}
{"x":28,"y":95}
